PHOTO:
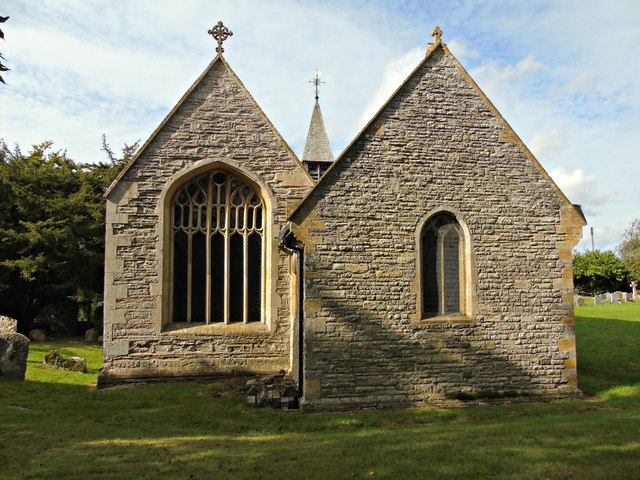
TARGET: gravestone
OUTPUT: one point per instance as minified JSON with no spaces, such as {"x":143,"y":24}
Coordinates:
{"x":597,"y":300}
{"x":578,"y":300}
{"x":603,"y":297}
{"x":14,"y":349}
{"x":634,"y":291}
{"x":8,"y":325}
{"x":38,"y":335}
{"x":73,"y":364}
{"x":616,"y":297}
{"x":91,"y":335}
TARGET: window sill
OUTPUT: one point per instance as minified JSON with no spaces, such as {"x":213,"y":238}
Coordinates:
{"x":446,"y":319}
{"x":214,"y":328}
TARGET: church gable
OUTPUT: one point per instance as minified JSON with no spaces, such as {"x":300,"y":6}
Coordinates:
{"x":439,"y":112}
{"x":433,"y":259}
{"x":218,"y":117}
{"x":436,"y":234}
{"x":191,"y":240}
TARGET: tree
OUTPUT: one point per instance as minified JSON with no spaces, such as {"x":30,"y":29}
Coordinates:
{"x":629,"y":249}
{"x":597,"y":272}
{"x":52,"y":236}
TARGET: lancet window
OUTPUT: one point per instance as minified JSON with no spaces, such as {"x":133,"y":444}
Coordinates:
{"x":443,"y":267}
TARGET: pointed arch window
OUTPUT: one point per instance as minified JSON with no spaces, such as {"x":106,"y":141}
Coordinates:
{"x":218,"y":254}
{"x":444,"y":275}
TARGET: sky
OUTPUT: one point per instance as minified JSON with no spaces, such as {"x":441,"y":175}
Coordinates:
{"x":565,"y":74}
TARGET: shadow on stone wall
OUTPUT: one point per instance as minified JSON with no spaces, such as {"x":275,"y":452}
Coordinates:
{"x":369,"y":360}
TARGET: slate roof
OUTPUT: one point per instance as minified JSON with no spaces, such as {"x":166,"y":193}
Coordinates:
{"x":317,"y":148}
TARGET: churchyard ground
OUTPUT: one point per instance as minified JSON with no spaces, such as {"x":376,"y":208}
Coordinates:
{"x":55,"y":425}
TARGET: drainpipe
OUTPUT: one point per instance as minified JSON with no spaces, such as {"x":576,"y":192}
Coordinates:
{"x":289,"y":244}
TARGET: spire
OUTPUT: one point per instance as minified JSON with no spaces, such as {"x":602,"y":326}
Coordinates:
{"x":317,"y":156}
{"x":317,"y":148}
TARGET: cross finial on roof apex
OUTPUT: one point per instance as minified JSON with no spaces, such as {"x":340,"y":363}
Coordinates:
{"x":220,"y":33}
{"x":437,"y":34}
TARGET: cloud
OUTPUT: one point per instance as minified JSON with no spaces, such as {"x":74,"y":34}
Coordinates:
{"x":581,"y":188}
{"x":496,"y":72}
{"x":603,"y":238}
{"x":109,"y":71}
{"x":552,"y":141}
{"x":394,"y":74}
{"x":461,"y":50}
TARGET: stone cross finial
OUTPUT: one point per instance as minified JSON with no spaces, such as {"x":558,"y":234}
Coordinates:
{"x":220,"y":33}
{"x":436,"y":34}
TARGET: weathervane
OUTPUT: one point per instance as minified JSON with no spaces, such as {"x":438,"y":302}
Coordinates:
{"x":220,"y":33}
{"x":316,"y":82}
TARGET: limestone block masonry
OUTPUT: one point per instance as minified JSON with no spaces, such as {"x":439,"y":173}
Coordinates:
{"x":216,"y":125}
{"x":437,"y":145}
{"x":350,"y":321}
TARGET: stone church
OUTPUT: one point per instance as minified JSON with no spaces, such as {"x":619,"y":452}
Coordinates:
{"x":430,"y":261}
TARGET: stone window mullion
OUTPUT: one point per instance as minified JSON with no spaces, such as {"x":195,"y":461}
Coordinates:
{"x":227,"y":249}
{"x":208,"y":251}
{"x":189,"y":267}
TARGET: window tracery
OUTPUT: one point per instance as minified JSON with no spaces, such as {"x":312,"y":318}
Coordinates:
{"x":218,"y":250}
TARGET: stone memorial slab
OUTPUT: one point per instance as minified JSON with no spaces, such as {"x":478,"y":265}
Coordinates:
{"x":73,"y":364}
{"x":14,"y":349}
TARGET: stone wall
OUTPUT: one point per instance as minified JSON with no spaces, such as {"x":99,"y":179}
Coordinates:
{"x":438,"y":144}
{"x":216,"y":125}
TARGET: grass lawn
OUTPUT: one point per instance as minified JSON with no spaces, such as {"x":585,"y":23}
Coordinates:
{"x":55,"y":426}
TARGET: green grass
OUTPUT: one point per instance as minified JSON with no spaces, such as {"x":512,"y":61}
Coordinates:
{"x":608,"y":346}
{"x":55,"y":426}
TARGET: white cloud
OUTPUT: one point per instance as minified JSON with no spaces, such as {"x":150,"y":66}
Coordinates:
{"x":551,"y":141}
{"x":573,"y":183}
{"x":496,"y":72}
{"x":394,"y":74}
{"x":461,"y":50}
{"x":582,"y":189}
{"x":83,"y":67}
{"x":603,"y":238}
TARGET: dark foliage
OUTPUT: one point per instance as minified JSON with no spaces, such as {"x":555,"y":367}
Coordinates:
{"x":52,"y":237}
